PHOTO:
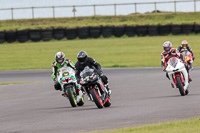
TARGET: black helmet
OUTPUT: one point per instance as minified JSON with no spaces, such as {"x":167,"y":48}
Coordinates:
{"x":82,"y":57}
{"x":60,"y":58}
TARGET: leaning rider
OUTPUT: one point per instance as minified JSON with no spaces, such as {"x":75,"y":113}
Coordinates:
{"x":58,"y":64}
{"x":184,"y":45}
{"x":83,"y":61}
{"x":170,"y":52}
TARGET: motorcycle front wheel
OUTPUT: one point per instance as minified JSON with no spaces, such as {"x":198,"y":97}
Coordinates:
{"x":71,"y":96}
{"x":180,"y":86}
{"x":96,"y":98}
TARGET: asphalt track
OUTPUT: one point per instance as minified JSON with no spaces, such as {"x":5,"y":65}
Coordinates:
{"x":140,"y":96}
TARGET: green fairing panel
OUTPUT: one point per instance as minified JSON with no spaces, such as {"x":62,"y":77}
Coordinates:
{"x":67,"y":77}
{"x":58,"y":66}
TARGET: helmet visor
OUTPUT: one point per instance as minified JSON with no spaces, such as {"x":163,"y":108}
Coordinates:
{"x":82,"y":60}
{"x":184,"y":46}
{"x":60,"y":60}
{"x":166,"y":49}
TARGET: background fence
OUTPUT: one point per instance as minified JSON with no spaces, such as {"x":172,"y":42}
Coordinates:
{"x":103,"y":9}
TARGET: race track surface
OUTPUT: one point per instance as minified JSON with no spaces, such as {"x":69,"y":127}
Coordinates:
{"x":140,"y":96}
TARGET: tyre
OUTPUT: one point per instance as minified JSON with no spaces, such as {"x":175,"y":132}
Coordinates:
{"x":59,"y":33}
{"x":81,"y":103}
{"x":164,"y":30}
{"x":196,"y":28}
{"x":96,"y":98}
{"x":71,"y":96}
{"x":47,"y":34}
{"x":153,"y":30}
{"x":35,"y":35}
{"x":142,"y":30}
{"x":71,"y":33}
{"x":180,"y":86}
{"x":107,"y":31}
{"x":108,"y":102}
{"x":119,"y":31}
{"x":11,"y":36}
{"x":83,"y":33}
{"x":188,"y":29}
{"x":130,"y":31}
{"x":2,"y":36}
{"x":95,"y":32}
{"x":23,"y":36}
{"x":176,"y":29}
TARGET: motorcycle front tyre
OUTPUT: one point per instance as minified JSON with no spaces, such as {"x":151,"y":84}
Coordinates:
{"x":180,"y":86}
{"x":71,"y":96}
{"x":96,"y":98}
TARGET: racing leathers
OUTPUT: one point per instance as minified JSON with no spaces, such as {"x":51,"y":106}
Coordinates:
{"x":188,"y":48}
{"x":55,"y":67}
{"x":91,"y":63}
{"x":174,"y":53}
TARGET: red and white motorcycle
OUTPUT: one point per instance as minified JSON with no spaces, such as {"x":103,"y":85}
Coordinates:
{"x":178,"y":75}
{"x":188,"y":57}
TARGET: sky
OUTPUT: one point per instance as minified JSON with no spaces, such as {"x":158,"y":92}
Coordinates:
{"x":86,"y":11}
{"x":36,"y":3}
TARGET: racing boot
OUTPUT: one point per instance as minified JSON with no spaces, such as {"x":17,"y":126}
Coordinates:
{"x":187,"y":68}
{"x":83,"y":90}
{"x":108,"y":89}
{"x":172,"y":85}
{"x":80,"y":95}
{"x":57,"y":86}
{"x":189,"y":78}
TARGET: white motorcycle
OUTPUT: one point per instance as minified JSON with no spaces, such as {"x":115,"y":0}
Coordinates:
{"x":68,"y":82}
{"x":178,"y":75}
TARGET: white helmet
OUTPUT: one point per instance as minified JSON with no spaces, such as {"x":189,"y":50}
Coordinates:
{"x":60,"y":58}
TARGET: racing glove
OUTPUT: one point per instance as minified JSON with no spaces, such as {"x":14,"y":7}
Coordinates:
{"x":99,"y":72}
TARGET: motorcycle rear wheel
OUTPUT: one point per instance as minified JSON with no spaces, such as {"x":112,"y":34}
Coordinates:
{"x":108,"y":102}
{"x":186,"y":92}
{"x":81,"y":103}
{"x":180,"y":86}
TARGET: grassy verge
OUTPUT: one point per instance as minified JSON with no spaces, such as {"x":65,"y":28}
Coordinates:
{"x":187,"y":126}
{"x":112,"y":52}
{"x":8,"y":83}
{"x":139,"y":19}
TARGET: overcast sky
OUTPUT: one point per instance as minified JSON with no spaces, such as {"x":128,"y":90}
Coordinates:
{"x":36,"y":3}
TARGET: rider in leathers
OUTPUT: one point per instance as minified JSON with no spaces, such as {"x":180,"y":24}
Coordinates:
{"x":58,"y":64}
{"x":184,"y":45}
{"x":83,"y":61}
{"x":171,"y":52}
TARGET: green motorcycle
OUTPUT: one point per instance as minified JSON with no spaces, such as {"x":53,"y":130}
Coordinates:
{"x":70,"y":87}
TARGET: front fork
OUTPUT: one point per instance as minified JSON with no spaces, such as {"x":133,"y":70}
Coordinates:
{"x":75,"y":91}
{"x":174,"y":75}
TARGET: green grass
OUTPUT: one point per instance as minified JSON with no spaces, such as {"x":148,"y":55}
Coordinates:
{"x":186,"y":126}
{"x":8,"y":83}
{"x":139,"y":19}
{"x":112,"y":52}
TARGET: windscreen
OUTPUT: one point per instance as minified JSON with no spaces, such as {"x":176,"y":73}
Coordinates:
{"x":185,"y":52}
{"x":173,"y":61}
{"x":86,"y":72}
